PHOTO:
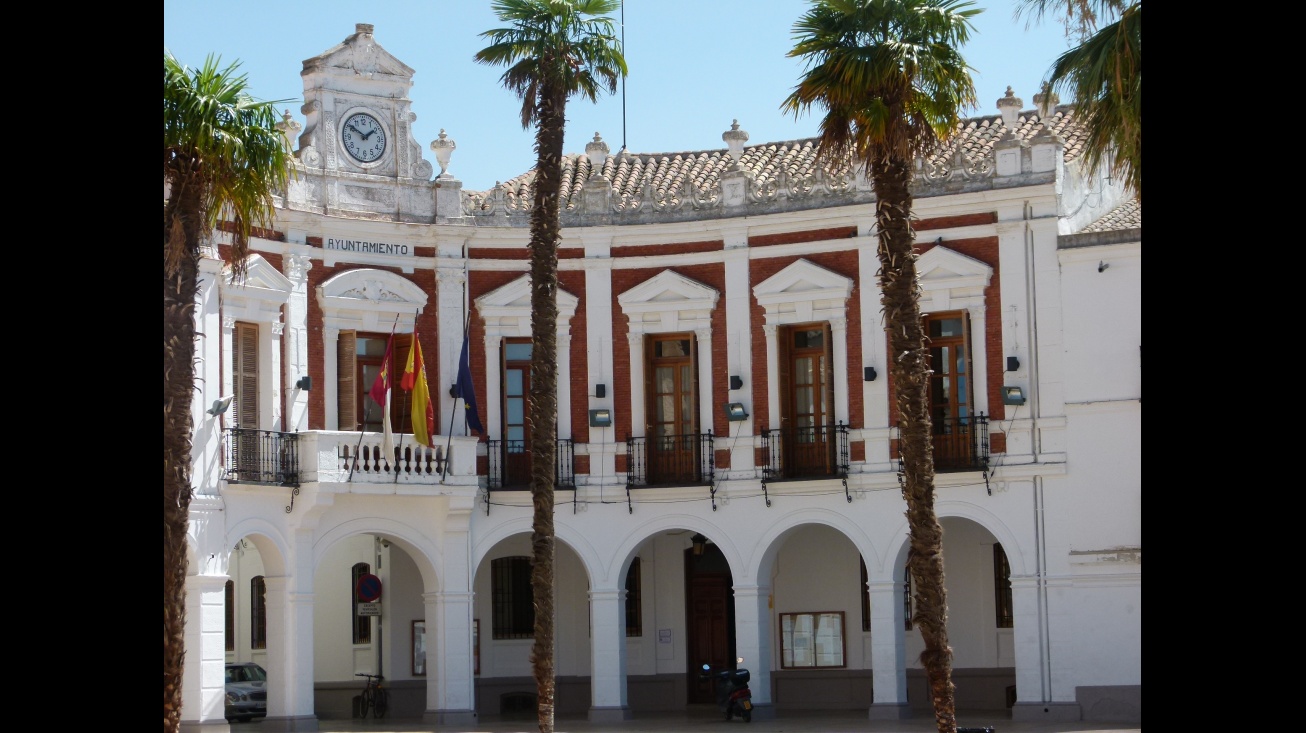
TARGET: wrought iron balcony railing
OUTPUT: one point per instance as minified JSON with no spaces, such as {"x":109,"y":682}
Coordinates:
{"x":670,"y":460}
{"x":961,"y":444}
{"x":261,"y":457}
{"x":816,"y":451}
{"x":510,"y":465}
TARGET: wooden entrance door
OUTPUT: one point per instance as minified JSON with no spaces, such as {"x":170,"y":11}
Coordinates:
{"x":711,"y":619}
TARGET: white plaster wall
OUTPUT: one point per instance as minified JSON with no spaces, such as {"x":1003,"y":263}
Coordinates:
{"x":837,"y":587}
{"x":1103,"y":320}
{"x":511,"y":657}
{"x":335,"y":656}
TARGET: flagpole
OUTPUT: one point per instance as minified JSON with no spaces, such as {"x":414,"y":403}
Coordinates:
{"x":467,"y":320}
{"x":414,"y":345}
{"x":358,"y":448}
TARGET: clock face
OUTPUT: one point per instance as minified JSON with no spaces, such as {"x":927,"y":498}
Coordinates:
{"x":363,"y":137}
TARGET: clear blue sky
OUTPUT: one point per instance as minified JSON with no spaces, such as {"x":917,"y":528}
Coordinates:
{"x":695,"y":65}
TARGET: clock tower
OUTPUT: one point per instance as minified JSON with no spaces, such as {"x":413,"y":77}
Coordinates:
{"x":357,"y":154}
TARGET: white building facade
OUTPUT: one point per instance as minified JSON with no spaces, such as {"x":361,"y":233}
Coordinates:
{"x":727,"y":483}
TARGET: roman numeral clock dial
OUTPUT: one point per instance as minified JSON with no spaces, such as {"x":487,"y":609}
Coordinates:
{"x":363,"y":137}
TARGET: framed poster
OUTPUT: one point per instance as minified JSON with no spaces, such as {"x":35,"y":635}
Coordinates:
{"x":419,"y":648}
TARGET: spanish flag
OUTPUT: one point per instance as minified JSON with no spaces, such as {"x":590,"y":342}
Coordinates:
{"x":414,"y":380}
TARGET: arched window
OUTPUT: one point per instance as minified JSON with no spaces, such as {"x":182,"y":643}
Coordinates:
{"x":512,"y":598}
{"x":362,"y":624}
{"x":230,"y":605}
{"x":634,"y":606}
{"x":1002,"y":588}
{"x":258,"y":613}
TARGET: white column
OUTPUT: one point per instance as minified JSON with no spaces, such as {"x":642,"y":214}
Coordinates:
{"x":206,"y":446}
{"x":771,"y":332}
{"x":564,"y":379}
{"x":638,"y":420}
{"x":598,"y":346}
{"x":1025,"y":640}
{"x":279,"y":644}
{"x":296,"y":268}
{"x":450,"y":677}
{"x":739,"y":350}
{"x":450,"y":692}
{"x":330,"y":377}
{"x":707,"y":402}
{"x":608,"y":656}
{"x":203,"y":690}
{"x":451,"y":287}
{"x":839,"y":353}
{"x":494,"y":382}
{"x":296,"y":682}
{"x":753,"y":643}
{"x":979,"y":360}
{"x":888,"y":651}
{"x":269,"y":362}
{"x":875,"y":395}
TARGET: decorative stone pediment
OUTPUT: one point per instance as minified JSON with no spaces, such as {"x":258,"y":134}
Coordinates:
{"x":668,"y":301}
{"x":950,"y":279}
{"x":370,"y":299}
{"x":359,"y":64}
{"x":259,"y":296}
{"x":802,"y":292}
{"x":507,"y":310}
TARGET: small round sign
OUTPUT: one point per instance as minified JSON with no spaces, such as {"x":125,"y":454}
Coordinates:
{"x":369,"y":588}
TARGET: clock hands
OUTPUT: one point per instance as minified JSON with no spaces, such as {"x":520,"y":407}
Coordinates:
{"x":366,"y":135}
{"x":355,"y":129}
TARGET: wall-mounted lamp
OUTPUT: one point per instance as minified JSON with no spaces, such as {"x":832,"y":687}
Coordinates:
{"x":220,"y":406}
{"x":1102,"y":265}
{"x":601,"y":418}
{"x":453,"y":390}
{"x":1013,"y":396}
{"x":1013,"y":363}
{"x":736,"y":382}
{"x":735,"y":411}
{"x":600,"y":390}
{"x":868,"y":374}
{"x":305,"y":383}
{"x":700,"y":544}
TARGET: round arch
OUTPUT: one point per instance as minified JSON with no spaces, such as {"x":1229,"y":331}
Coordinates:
{"x":958,"y":510}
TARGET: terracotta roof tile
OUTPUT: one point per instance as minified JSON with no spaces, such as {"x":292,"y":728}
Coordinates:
{"x":1128,"y":215}
{"x":667,"y":173}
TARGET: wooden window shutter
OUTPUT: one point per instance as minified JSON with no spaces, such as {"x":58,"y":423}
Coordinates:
{"x":346,"y":389}
{"x":650,"y":406}
{"x":693,"y":376}
{"x":245,"y":375}
{"x":827,"y":388}
{"x":784,"y":366}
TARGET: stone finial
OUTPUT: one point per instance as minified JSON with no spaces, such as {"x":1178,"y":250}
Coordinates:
{"x":289,"y":128}
{"x":1046,"y":101}
{"x":443,"y":148}
{"x":364,"y":28}
{"x":597,"y":150}
{"x":735,"y":139}
{"x":1009,"y":106}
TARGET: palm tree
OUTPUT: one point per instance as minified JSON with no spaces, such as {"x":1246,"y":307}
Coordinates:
{"x":553,"y":49}
{"x":222,"y":156}
{"x":892,"y":80}
{"x":1104,"y":75}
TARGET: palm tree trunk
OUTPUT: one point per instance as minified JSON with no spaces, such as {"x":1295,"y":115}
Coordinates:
{"x":180,"y":287}
{"x":908,"y":367}
{"x":545,"y":234}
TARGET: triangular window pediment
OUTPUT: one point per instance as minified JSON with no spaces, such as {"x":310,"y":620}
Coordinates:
{"x":260,"y":276}
{"x":668,"y":290}
{"x":514,"y":300}
{"x":803,"y":282}
{"x":943,"y":268}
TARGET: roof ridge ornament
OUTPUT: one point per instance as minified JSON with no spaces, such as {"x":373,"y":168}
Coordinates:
{"x":597,"y":152}
{"x":735,"y":139}
{"x":1009,"y":105}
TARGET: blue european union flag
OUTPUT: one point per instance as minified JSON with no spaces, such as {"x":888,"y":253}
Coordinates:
{"x":465,"y":389}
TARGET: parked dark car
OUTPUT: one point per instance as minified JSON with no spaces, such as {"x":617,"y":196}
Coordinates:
{"x":247,"y":692}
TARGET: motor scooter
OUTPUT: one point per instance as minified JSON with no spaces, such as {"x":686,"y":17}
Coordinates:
{"x":732,"y":693}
